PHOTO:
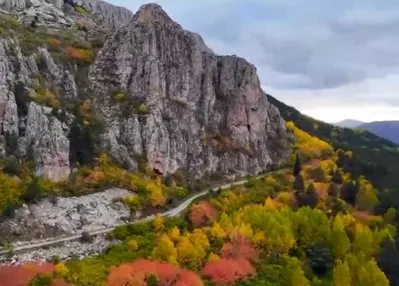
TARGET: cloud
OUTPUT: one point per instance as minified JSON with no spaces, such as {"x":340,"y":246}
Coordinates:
{"x":302,"y":47}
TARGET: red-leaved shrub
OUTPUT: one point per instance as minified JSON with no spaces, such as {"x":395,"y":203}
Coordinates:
{"x":228,"y":271}
{"x":202,"y":213}
{"x":21,"y":275}
{"x":239,"y":249}
{"x":137,"y":272}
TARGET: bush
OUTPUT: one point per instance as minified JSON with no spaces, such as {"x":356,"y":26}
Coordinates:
{"x":142,"y":109}
{"x":11,"y":166}
{"x":119,"y":96}
{"x":85,"y":55}
{"x":34,"y":191}
{"x":135,"y":203}
{"x":81,"y":10}
{"x":46,"y":97}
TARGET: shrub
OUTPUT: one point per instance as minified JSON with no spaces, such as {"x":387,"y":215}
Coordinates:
{"x":135,"y":203}
{"x":11,"y":166}
{"x":132,"y":244}
{"x":47,"y":97}
{"x":81,"y":10}
{"x":119,"y":96}
{"x":142,"y":109}
{"x":85,"y":55}
{"x":34,"y":191}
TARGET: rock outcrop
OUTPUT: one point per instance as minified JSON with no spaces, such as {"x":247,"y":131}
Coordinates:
{"x":27,"y":129}
{"x":50,"y":218}
{"x":106,"y":14}
{"x":184,"y":107}
{"x":159,"y":91}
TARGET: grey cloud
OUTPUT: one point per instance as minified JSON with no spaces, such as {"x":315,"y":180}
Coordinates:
{"x":298,"y":44}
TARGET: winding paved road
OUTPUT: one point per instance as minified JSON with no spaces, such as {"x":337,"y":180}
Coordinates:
{"x":170,"y":213}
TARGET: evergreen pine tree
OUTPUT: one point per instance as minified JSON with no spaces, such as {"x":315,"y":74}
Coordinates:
{"x":299,"y":184}
{"x":312,"y":197}
{"x":297,"y":166}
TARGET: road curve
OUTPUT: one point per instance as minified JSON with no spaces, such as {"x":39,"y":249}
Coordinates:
{"x":170,"y":213}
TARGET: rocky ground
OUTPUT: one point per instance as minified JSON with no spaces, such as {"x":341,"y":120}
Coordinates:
{"x":65,"y":251}
{"x":51,"y":218}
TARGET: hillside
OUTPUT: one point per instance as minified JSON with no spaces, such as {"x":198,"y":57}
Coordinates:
{"x":309,"y":224}
{"x":385,"y":129}
{"x":374,"y":157}
{"x":113,"y":120}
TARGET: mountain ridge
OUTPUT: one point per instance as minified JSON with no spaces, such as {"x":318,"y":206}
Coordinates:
{"x":385,"y":129}
{"x":349,"y":123}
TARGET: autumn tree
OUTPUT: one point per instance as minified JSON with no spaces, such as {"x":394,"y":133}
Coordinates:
{"x":390,"y":215}
{"x":341,"y":274}
{"x":165,"y":250}
{"x":296,"y":274}
{"x":141,"y":272}
{"x":228,"y":271}
{"x":339,"y":240}
{"x":202,"y":213}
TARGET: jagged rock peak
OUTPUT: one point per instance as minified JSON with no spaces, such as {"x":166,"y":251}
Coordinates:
{"x":200,"y":112}
{"x":153,"y":13}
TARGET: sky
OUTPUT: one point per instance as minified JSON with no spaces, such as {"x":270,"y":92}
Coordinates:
{"x":331,"y":59}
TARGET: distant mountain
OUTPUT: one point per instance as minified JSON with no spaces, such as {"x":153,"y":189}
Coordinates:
{"x":385,"y":129}
{"x":349,"y":123}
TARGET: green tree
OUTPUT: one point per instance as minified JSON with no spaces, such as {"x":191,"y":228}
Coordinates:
{"x":370,"y":275}
{"x":341,"y":274}
{"x":366,"y":200}
{"x":339,"y":240}
{"x":299,"y":184}
{"x":297,"y":275}
{"x":363,"y":241}
{"x":165,"y":250}
{"x":321,"y":260}
{"x":297,"y":166}
{"x":390,"y":215}
{"x":34,"y":191}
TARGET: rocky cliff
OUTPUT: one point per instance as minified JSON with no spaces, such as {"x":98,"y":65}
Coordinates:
{"x":158,"y":91}
{"x":106,"y":14}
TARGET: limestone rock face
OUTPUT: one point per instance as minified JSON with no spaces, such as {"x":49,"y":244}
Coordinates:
{"x":52,"y":11}
{"x":159,"y":91}
{"x":26,"y":128}
{"x":46,"y":138}
{"x":184,"y":106}
{"x":49,"y":218}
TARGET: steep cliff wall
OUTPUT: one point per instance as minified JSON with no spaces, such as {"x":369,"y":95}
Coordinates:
{"x":157,"y":89}
{"x":204,"y":113}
